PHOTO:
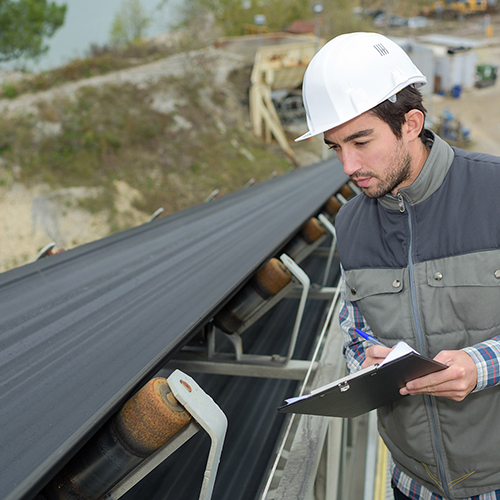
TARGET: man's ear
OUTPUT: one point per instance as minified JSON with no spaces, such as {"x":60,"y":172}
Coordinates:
{"x":414,"y":123}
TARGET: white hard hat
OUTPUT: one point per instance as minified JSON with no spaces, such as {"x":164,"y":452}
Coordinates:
{"x":350,"y":75}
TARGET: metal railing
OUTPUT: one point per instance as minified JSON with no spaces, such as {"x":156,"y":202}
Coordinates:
{"x":328,"y":458}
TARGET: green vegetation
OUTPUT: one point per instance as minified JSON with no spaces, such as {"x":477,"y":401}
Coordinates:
{"x":166,"y":144}
{"x":128,"y":49}
{"x":236,"y":17}
{"x":174,"y":141}
{"x":129,"y":24}
{"x":338,"y":18}
{"x":232,"y":16}
{"x":24,"y":24}
{"x":100,"y":61}
{"x":174,"y":158}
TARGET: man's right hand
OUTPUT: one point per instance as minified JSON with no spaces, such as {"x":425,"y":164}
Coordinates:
{"x":375,"y":354}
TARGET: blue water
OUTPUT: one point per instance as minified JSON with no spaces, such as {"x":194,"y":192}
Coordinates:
{"x":89,"y":22}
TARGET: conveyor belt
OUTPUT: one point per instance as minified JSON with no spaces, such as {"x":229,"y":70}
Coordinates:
{"x":82,"y":330}
{"x":251,"y":407}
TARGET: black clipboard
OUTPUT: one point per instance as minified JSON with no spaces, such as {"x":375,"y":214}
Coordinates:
{"x":364,"y":390}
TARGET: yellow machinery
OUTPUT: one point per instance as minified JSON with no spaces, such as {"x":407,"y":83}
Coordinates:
{"x":459,"y":7}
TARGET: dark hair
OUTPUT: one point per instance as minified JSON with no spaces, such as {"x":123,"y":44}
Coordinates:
{"x":393,"y":113}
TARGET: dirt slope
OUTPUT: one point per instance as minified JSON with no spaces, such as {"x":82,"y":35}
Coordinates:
{"x":33,"y":215}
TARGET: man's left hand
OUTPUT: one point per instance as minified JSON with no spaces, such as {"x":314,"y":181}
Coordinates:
{"x":456,"y":382}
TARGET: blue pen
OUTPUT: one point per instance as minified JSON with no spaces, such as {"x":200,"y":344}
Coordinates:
{"x":368,"y":337}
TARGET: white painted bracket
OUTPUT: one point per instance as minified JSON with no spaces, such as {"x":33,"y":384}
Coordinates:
{"x":44,"y":251}
{"x":209,"y":416}
{"x":206,"y":414}
{"x":212,"y":196}
{"x":156,"y":214}
{"x":331,"y":229}
{"x":354,"y":187}
{"x":302,"y":277}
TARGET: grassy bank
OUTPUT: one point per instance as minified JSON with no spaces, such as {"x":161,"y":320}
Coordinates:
{"x":175,"y":141}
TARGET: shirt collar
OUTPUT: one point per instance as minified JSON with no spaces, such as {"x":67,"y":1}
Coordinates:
{"x":430,"y":177}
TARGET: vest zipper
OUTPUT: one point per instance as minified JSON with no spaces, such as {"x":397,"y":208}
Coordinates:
{"x":413,"y":292}
{"x":401,"y":203}
{"x":404,"y":207}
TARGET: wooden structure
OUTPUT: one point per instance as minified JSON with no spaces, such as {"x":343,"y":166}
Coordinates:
{"x":276,"y":67}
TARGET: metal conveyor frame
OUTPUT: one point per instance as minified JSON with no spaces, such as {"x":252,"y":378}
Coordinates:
{"x":206,"y":415}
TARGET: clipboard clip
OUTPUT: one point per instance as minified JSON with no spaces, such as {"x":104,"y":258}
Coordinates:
{"x":344,"y":386}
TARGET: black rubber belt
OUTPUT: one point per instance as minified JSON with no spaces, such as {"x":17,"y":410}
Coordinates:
{"x":250,"y":404}
{"x":82,"y":330}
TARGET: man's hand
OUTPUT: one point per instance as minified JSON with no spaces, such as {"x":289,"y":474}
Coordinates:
{"x":375,"y":354}
{"x":455,"y":382}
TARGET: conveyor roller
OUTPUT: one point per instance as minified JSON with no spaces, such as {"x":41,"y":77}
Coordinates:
{"x":144,"y":424}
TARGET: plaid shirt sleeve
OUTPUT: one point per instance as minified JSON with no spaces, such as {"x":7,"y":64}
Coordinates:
{"x":486,"y":355}
{"x":350,"y":317}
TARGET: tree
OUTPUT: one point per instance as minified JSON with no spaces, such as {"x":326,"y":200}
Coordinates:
{"x":338,"y":18}
{"x":24,"y":24}
{"x":232,"y":16}
{"x":129,"y":24}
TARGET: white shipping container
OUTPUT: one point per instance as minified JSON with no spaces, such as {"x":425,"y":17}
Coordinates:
{"x":456,"y":60}
{"x":456,"y":69}
{"x":423,"y":58}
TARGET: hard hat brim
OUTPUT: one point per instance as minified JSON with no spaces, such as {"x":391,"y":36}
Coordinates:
{"x":307,"y":135}
{"x":333,"y":96}
{"x":417,"y":82}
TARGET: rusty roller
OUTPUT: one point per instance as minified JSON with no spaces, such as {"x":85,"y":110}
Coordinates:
{"x":346,"y":191}
{"x":267,"y":282}
{"x":143,"y":425}
{"x":331,"y":207}
{"x":310,"y":233}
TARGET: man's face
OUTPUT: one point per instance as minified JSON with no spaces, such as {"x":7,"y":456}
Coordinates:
{"x":371,"y":155}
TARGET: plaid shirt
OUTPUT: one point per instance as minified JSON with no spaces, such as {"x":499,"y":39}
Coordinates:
{"x":486,"y":355}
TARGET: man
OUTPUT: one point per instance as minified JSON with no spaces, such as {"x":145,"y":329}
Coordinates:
{"x":421,"y":263}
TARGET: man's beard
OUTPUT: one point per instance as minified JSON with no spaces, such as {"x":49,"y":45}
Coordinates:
{"x":393,"y":179}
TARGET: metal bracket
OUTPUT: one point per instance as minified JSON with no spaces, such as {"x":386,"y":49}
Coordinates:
{"x":264,"y":307}
{"x":306,"y":282}
{"x":229,"y":362}
{"x":308,"y":249}
{"x":331,"y":229}
{"x":249,"y":366}
{"x":237,"y":343}
{"x":206,"y":414}
{"x":156,"y":214}
{"x":212,"y":196}
{"x":316,"y":292}
{"x":250,"y":183}
{"x":354,"y":187}
{"x":341,"y":198}
{"x":235,"y":338}
{"x":44,"y":251}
